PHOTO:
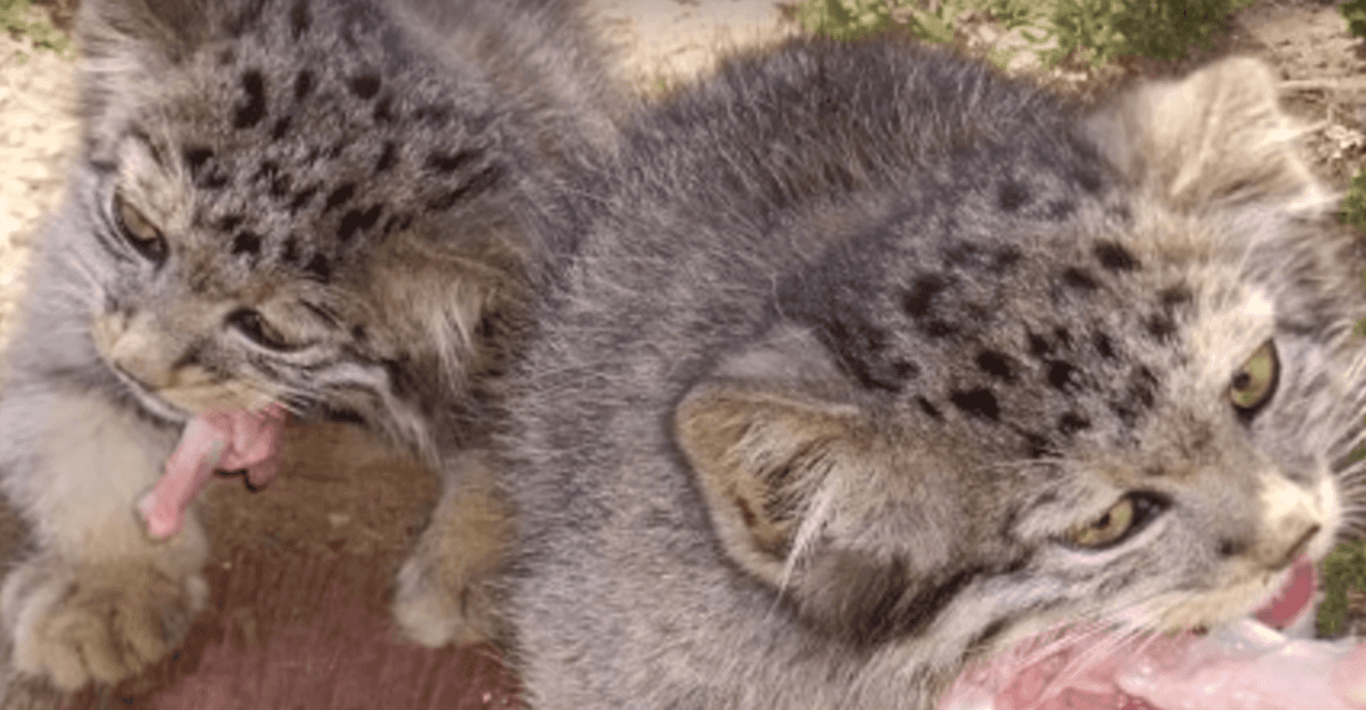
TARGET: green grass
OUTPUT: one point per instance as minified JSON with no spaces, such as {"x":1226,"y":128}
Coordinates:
{"x":1091,"y":31}
{"x":16,"y":18}
{"x":1353,"y":210}
{"x":1355,"y":12}
{"x":1343,"y":569}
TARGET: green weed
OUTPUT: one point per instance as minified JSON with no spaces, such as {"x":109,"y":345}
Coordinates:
{"x":1355,"y":12}
{"x":1344,"y":568}
{"x":1353,"y":209}
{"x":15,"y":19}
{"x":1094,"y":31}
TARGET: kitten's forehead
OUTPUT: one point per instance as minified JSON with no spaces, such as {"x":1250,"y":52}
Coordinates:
{"x":297,"y":139}
{"x":1029,"y":346}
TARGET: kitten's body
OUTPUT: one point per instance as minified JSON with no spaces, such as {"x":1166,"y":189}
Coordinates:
{"x":868,"y":355}
{"x":337,"y":205}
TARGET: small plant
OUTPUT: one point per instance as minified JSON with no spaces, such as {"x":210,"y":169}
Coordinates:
{"x":845,"y":19}
{"x":1094,"y":30}
{"x":1343,"y":569}
{"x":1355,"y":12}
{"x":14,"y":19}
{"x":1354,"y":203}
{"x":1101,"y":30}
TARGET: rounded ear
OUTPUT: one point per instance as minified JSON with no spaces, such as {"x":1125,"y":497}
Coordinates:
{"x":1216,"y":137}
{"x":772,"y":449}
{"x":108,"y":29}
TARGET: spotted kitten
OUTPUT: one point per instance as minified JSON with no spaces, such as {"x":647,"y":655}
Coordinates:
{"x":871,"y":361}
{"x":335,"y":205}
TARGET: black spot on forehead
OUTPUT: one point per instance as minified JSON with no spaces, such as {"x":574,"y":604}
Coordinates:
{"x":318,"y":268}
{"x":1079,"y":279}
{"x":303,"y":84}
{"x":1087,"y":178}
{"x":1114,"y":257}
{"x":366,"y":85}
{"x":246,"y":243}
{"x":435,"y":115}
{"x":1160,"y":326}
{"x":484,"y":180}
{"x":1011,"y":195}
{"x":195,"y":158}
{"x":979,"y":402}
{"x":299,"y":19}
{"x":280,"y":128}
{"x":1104,"y":346}
{"x":1060,"y":374}
{"x":339,"y":196}
{"x":384,"y":109}
{"x":997,"y":364}
{"x":1175,"y":297}
{"x":387,"y":158}
{"x":1071,"y":422}
{"x":302,"y":198}
{"x":290,"y":252}
{"x":928,"y":408}
{"x":450,"y":162}
{"x":229,"y":222}
{"x":396,"y":222}
{"x":918,"y":300}
{"x":355,"y":220}
{"x":1059,"y":210}
{"x":1038,"y":345}
{"x":253,"y":108}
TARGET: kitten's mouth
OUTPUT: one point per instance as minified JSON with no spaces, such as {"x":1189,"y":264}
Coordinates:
{"x":148,"y":399}
{"x":1292,"y":599}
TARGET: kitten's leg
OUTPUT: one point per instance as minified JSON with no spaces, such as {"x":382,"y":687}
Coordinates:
{"x":98,"y":599}
{"x":443,"y":594}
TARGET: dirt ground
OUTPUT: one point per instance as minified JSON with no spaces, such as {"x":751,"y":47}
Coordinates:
{"x":301,"y":570}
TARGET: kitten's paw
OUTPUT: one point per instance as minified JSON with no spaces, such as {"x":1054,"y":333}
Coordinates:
{"x":74,"y":624}
{"x":436,"y":612}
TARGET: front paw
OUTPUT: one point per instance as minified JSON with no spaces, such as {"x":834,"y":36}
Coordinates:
{"x":101,"y":622}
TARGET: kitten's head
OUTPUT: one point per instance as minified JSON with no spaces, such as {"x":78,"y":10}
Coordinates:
{"x":290,"y":200}
{"x":961,"y":431}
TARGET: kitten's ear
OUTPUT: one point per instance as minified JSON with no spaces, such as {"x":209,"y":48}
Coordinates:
{"x":772,"y":447}
{"x":169,"y":29}
{"x":1217,"y":137}
{"x":450,"y":310}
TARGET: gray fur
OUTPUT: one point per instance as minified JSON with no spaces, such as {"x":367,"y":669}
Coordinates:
{"x":858,"y":337}
{"x":339,"y":205}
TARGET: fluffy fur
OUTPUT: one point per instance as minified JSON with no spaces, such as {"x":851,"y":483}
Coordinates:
{"x":871,"y":360}
{"x":337,"y":205}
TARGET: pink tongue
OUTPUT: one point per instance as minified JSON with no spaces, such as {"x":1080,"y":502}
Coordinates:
{"x":1293,"y":598}
{"x":226,"y":441}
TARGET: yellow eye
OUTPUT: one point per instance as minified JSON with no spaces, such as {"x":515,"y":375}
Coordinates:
{"x":1106,"y":529}
{"x":138,"y":231}
{"x":1255,"y":381}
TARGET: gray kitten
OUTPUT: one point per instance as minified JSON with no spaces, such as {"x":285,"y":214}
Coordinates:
{"x":871,"y":361}
{"x":337,"y":205}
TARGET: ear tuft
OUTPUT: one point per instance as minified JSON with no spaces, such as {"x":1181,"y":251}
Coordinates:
{"x":1217,"y":137}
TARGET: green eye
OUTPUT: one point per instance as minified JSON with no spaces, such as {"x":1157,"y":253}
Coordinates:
{"x":1126,"y":517}
{"x":1255,"y":381}
{"x":138,"y":231}
{"x":1107,"y":528}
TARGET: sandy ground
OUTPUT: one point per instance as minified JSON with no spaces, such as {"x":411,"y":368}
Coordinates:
{"x":344,"y":513}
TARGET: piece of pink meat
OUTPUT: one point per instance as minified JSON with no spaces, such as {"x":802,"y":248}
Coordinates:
{"x":1248,"y":665}
{"x":216,"y":441}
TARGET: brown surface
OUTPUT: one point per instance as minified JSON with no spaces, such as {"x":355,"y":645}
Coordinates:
{"x":301,"y":577}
